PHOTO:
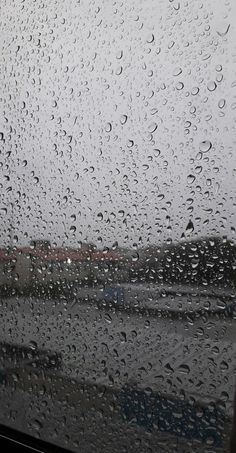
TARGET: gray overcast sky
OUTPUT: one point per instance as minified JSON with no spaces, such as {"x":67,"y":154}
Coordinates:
{"x":118,"y":120}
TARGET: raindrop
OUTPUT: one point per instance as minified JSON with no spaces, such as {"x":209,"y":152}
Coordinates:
{"x":205,"y":146}
{"x":218,"y":68}
{"x":123,"y":119}
{"x":33,"y":345}
{"x":152,"y":127}
{"x":184,"y":368}
{"x":198,"y":169}
{"x":224,"y":30}
{"x":119,"y":54}
{"x":108,"y":318}
{"x":37,"y":425}
{"x":108,"y":127}
{"x":211,"y":86}
{"x":224,"y":365}
{"x":179,"y":86}
{"x":191,"y":179}
{"x":195,"y":91}
{"x":177,"y":71}
{"x":221,"y":103}
{"x":219,"y":78}
{"x":123,"y":337}
{"x":130,"y":143}
{"x":150,"y":38}
{"x":100,"y":216}
{"x":119,"y":70}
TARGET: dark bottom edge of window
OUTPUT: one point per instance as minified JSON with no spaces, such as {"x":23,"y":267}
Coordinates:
{"x":17,"y":441}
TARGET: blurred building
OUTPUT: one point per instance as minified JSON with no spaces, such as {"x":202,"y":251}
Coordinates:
{"x":42,"y":265}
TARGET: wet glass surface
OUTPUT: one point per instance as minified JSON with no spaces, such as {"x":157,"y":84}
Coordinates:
{"x":117,"y":221}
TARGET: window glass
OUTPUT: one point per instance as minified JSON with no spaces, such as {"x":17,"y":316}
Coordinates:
{"x":117,"y":216}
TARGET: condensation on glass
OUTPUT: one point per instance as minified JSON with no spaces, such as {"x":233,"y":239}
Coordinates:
{"x":117,"y":221}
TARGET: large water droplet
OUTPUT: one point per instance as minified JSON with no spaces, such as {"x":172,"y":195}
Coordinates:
{"x":223,"y":30}
{"x":191,"y":179}
{"x":177,"y":71}
{"x":205,"y":146}
{"x":150,"y":38}
{"x":123,"y":119}
{"x":211,"y":86}
{"x":221,"y":103}
{"x":152,"y":127}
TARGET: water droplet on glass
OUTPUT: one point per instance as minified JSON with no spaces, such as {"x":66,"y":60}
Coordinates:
{"x":224,"y":365}
{"x":150,"y":38}
{"x":218,"y":68}
{"x":119,"y":54}
{"x":190,"y":226}
{"x":191,"y":179}
{"x":179,"y":86}
{"x":33,"y":345}
{"x":223,"y":30}
{"x":123,"y":119}
{"x":119,"y":70}
{"x":152,"y":127}
{"x":219,"y":78}
{"x":177,"y":71}
{"x":221,"y":103}
{"x":211,"y":86}
{"x":184,"y":368}
{"x":195,"y":91}
{"x":108,"y":127}
{"x":37,"y":425}
{"x":205,"y":146}
{"x":130,"y":143}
